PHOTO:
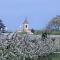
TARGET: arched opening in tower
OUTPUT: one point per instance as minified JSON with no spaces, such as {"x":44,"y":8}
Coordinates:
{"x":26,"y":26}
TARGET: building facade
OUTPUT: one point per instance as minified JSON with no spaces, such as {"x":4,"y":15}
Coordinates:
{"x":26,"y":27}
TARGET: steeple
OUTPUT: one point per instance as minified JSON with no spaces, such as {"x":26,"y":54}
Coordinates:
{"x":25,"y":21}
{"x":25,"y":25}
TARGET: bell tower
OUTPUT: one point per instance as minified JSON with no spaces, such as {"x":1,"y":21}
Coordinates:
{"x":25,"y":25}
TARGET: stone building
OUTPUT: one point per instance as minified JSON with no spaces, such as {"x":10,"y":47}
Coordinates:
{"x":26,"y":27}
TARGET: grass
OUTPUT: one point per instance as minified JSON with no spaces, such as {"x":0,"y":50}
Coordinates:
{"x":39,"y":32}
{"x":50,"y":57}
{"x":55,"y":56}
{"x":22,"y":33}
{"x":55,"y":33}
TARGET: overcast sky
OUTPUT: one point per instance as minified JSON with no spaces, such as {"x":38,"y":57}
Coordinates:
{"x":38,"y":12}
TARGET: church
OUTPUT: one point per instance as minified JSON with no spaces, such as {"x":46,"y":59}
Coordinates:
{"x":25,"y":27}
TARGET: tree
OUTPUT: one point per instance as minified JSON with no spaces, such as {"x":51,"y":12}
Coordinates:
{"x":54,"y":24}
{"x":2,"y":26}
{"x":32,"y":30}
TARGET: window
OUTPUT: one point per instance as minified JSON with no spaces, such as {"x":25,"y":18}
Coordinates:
{"x":26,"y":26}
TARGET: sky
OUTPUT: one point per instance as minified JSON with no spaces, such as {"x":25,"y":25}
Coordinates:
{"x":38,"y":12}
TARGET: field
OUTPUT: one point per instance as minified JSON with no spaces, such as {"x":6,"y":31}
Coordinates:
{"x":50,"y":57}
{"x":39,"y":32}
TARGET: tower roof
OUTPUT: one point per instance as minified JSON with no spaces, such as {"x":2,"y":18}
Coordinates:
{"x":25,"y":21}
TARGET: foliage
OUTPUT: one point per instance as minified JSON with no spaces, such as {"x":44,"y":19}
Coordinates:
{"x":54,"y":24}
{"x":14,"y":46}
{"x":32,"y":30}
{"x":2,"y":26}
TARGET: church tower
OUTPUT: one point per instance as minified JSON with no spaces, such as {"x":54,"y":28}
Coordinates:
{"x":25,"y":25}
